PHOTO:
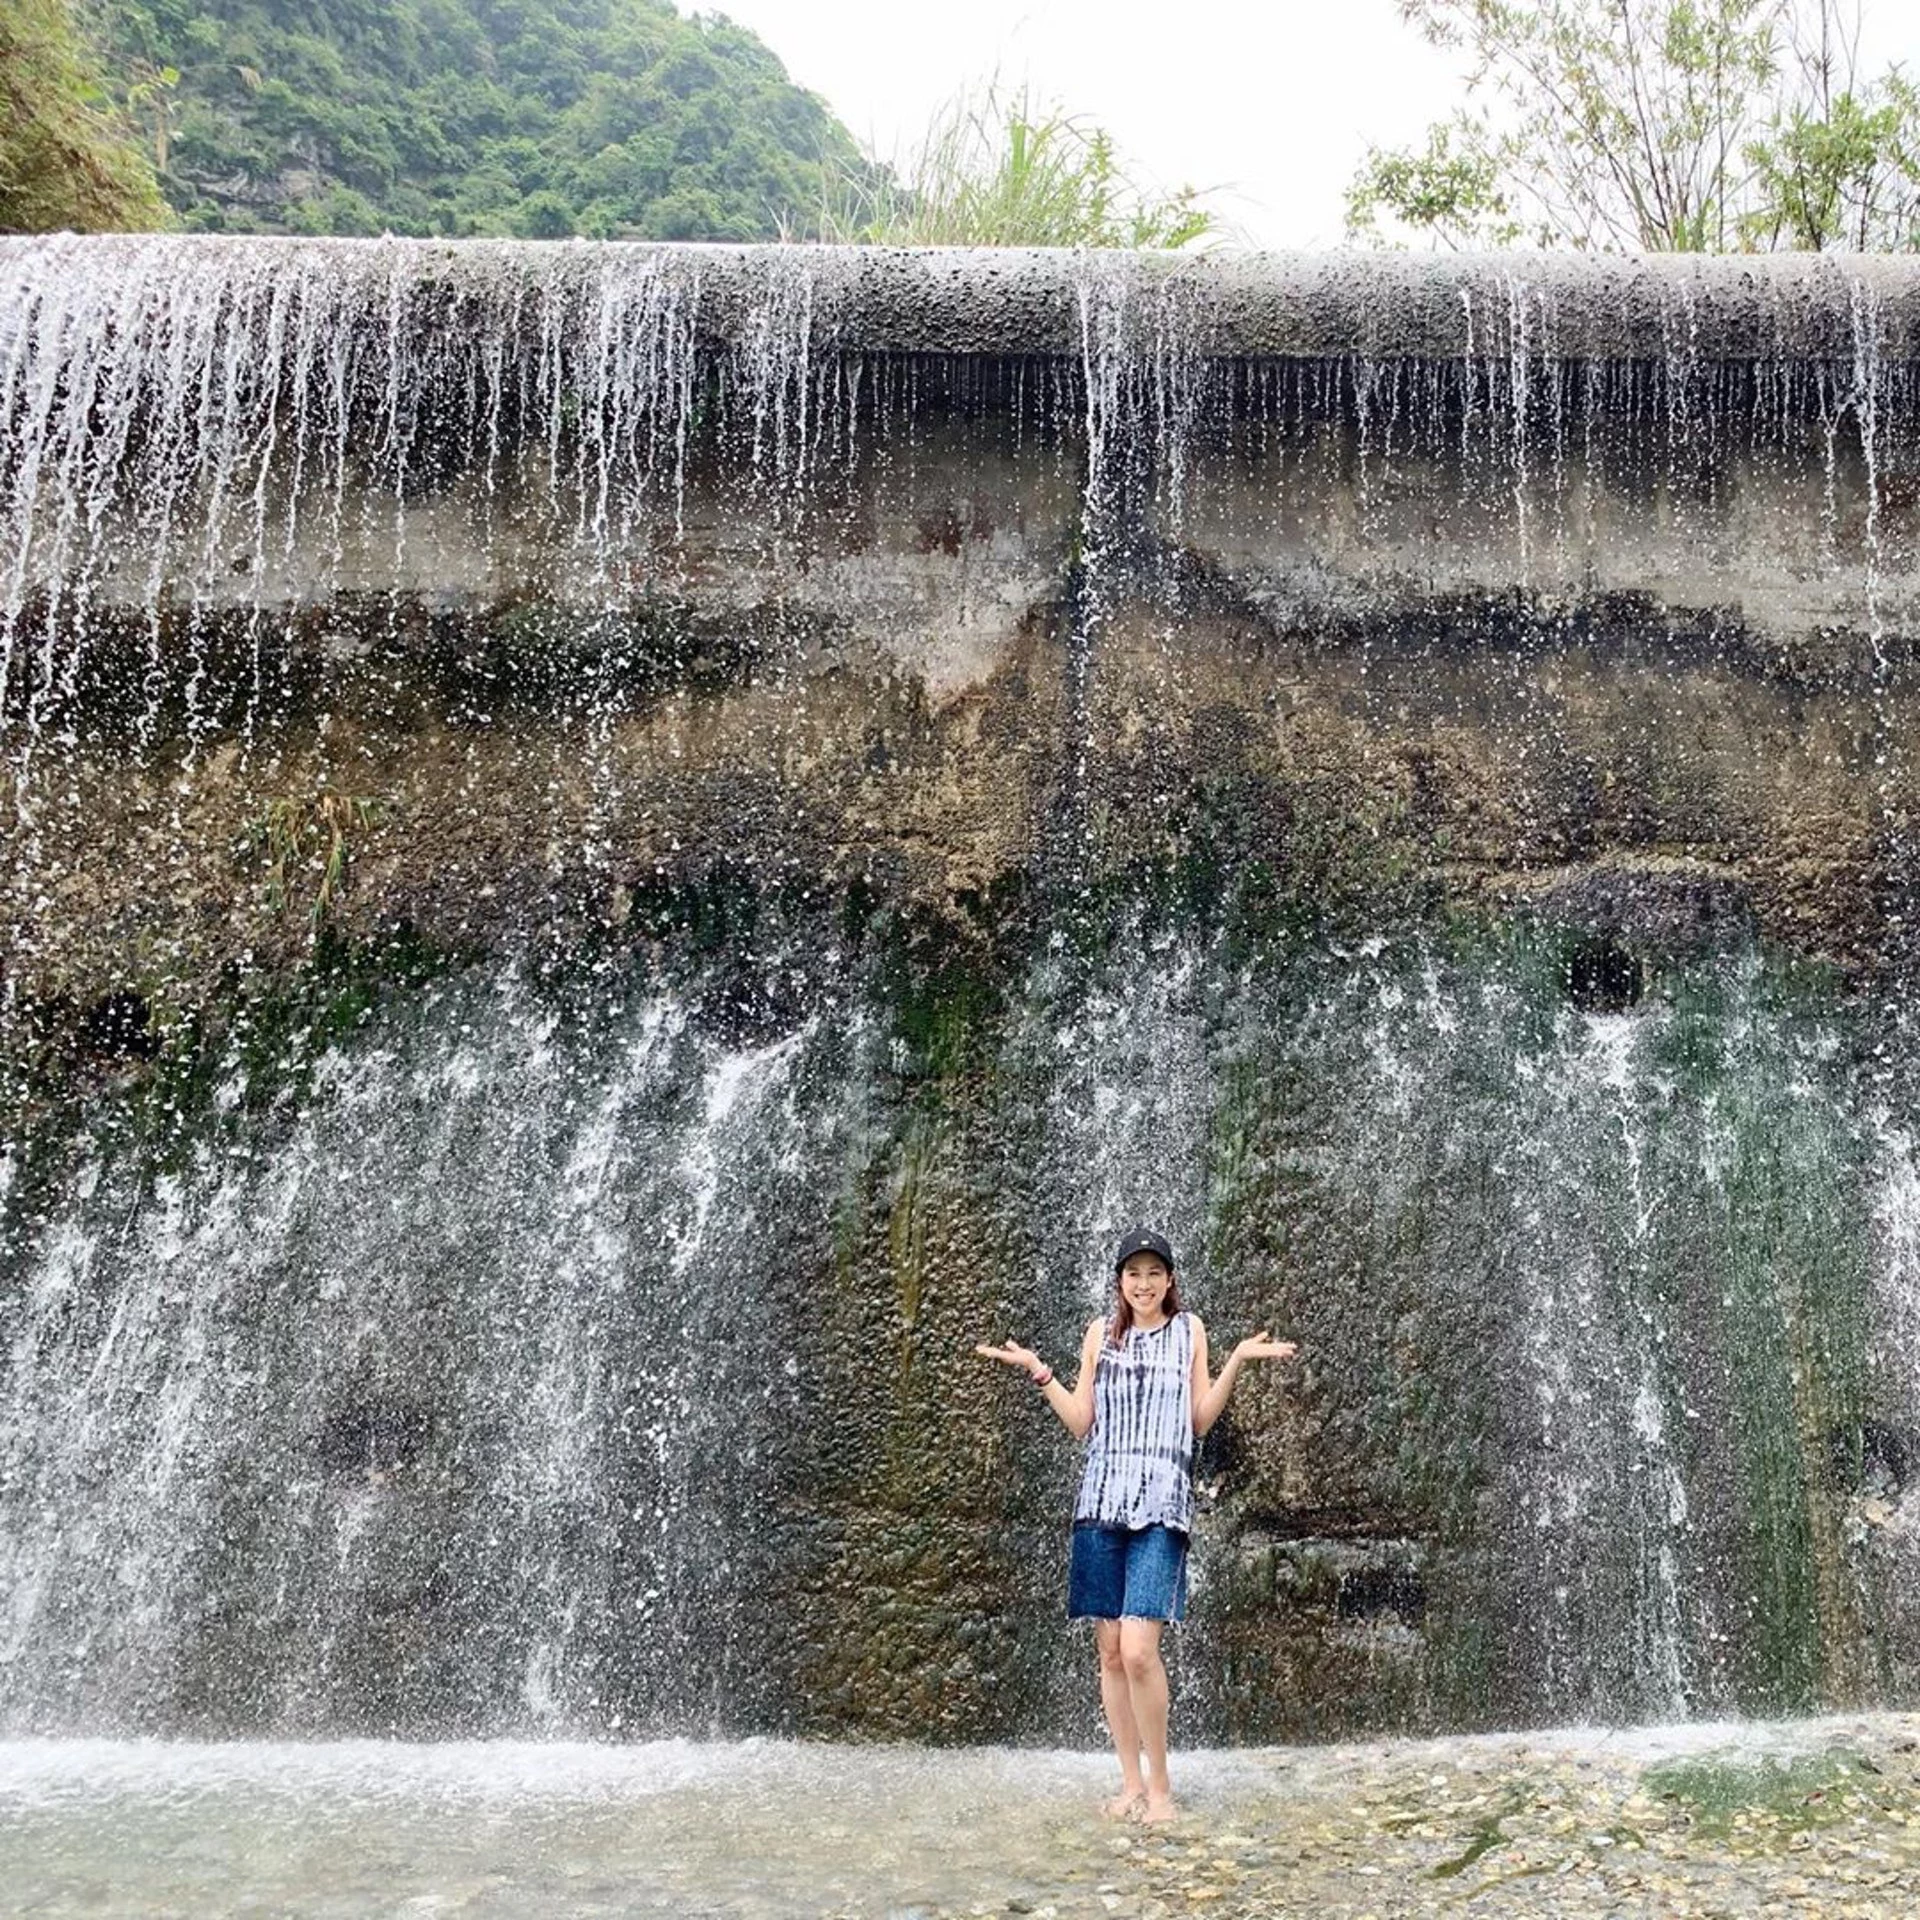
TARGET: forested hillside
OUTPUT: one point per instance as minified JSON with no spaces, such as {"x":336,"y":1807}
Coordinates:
{"x":63,"y":161}
{"x":532,"y":117}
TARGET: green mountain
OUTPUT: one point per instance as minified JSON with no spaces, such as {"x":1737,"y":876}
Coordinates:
{"x":534,"y":117}
{"x":63,"y":161}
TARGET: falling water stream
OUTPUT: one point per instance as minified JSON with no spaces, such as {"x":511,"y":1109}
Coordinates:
{"x":611,"y":853}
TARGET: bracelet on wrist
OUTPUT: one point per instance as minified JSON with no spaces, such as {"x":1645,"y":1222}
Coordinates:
{"x":1044,"y":1377}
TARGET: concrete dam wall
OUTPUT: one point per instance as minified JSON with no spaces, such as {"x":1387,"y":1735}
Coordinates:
{"x":611,"y":853}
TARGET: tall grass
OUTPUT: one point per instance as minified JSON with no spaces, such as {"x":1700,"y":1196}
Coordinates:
{"x":999,"y":170}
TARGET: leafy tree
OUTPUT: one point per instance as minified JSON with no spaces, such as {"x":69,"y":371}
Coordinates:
{"x":65,"y":160}
{"x":1659,"y":125}
{"x":544,"y":216}
{"x":1451,"y":188}
{"x":1003,"y":172}
{"x":535,"y":117}
{"x":1839,"y":164}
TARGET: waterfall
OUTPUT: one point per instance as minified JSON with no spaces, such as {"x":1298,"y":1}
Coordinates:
{"x":614,"y":852}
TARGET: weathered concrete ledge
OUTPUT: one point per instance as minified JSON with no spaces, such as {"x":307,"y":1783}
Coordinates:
{"x":1670,"y":308}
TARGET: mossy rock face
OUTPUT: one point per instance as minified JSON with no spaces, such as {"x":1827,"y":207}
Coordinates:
{"x":1567,"y":1192}
{"x":934,"y":673}
{"x":578,"y":930}
{"x":644,"y":1399}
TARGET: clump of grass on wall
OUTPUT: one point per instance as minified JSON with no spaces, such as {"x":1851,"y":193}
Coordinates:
{"x":308,"y":844}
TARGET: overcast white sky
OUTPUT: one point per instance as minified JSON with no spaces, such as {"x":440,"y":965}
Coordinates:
{"x":1272,"y":105}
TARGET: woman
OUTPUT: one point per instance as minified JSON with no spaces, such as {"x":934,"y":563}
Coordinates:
{"x":1142,"y":1398}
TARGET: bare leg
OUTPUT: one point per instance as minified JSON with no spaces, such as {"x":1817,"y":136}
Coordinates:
{"x":1147,"y":1687}
{"x":1116,"y":1697}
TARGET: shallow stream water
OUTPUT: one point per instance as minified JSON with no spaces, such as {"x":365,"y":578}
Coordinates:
{"x":1800,"y":1817}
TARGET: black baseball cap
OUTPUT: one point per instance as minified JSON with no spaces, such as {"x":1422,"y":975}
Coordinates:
{"x":1143,"y":1240}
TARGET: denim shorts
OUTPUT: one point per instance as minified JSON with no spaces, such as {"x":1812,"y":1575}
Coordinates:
{"x":1127,"y":1573}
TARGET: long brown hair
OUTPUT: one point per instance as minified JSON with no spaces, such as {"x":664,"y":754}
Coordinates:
{"x":1122,"y":1323}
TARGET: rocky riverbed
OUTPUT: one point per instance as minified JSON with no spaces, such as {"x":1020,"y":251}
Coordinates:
{"x":1809,"y":1817}
{"x":1815,"y":1819}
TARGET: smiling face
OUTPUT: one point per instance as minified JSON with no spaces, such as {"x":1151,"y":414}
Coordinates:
{"x":1144,"y":1282}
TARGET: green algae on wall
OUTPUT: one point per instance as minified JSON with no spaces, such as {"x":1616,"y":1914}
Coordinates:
{"x":1782,"y":1236}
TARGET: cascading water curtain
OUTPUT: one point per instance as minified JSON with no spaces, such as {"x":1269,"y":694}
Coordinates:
{"x":612,"y":853}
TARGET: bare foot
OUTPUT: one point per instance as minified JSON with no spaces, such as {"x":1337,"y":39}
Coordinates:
{"x":1125,"y":1805}
{"x":1159,"y":1809}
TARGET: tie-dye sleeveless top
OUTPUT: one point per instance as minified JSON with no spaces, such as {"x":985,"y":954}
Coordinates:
{"x":1139,"y":1465}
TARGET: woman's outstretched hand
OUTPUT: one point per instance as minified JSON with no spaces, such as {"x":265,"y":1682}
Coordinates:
{"x":1013,"y":1354}
{"x":1263,"y":1346}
